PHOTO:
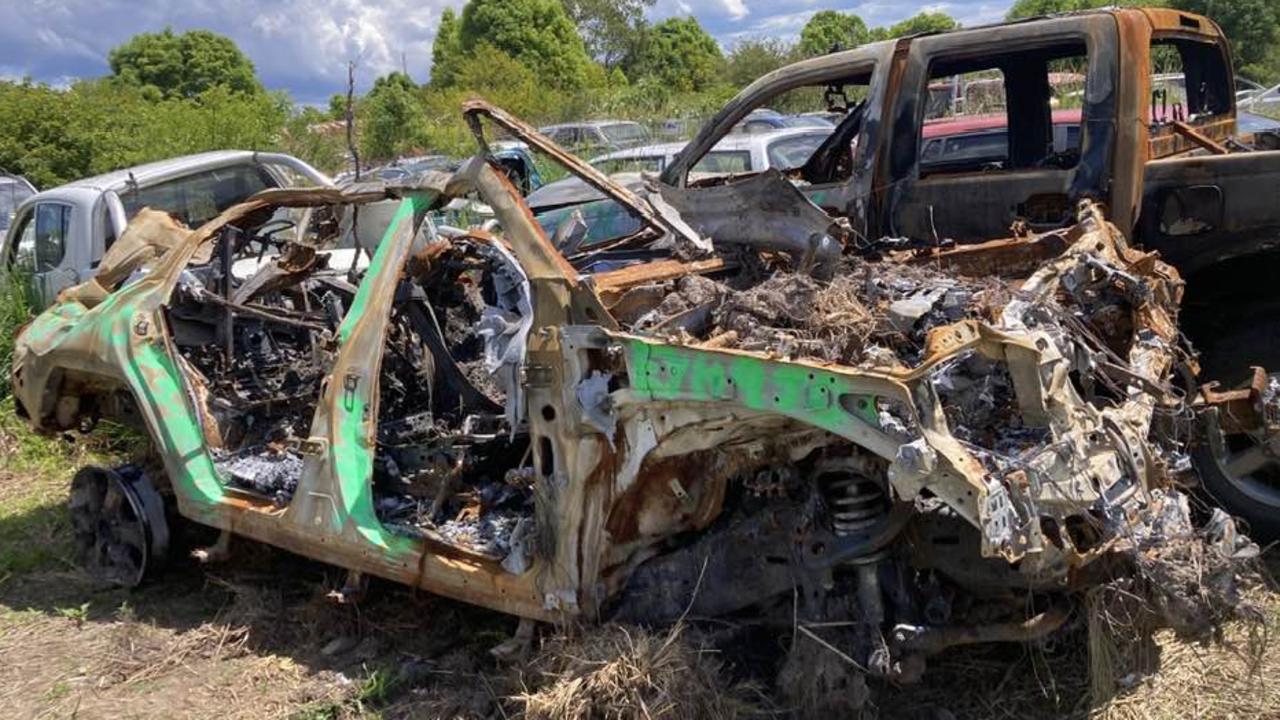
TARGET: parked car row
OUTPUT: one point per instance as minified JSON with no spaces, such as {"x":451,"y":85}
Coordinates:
{"x":60,"y":234}
{"x":738,"y":153}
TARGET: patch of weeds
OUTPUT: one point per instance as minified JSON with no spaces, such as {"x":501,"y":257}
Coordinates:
{"x":79,"y":614}
{"x":325,"y":711}
{"x":377,"y":689}
{"x":35,"y":533}
{"x":15,"y":311}
{"x":59,"y":690}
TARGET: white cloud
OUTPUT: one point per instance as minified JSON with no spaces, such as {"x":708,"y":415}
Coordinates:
{"x":300,"y":45}
{"x":304,"y":45}
{"x":737,"y":9}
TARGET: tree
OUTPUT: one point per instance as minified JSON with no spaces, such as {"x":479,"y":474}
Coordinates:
{"x":925,"y":22}
{"x":395,"y":78}
{"x":829,"y":30}
{"x":337,"y":106}
{"x":446,"y":50}
{"x":538,"y":33}
{"x":393,"y":118}
{"x":1035,"y":8}
{"x":53,"y":136}
{"x":609,"y":27}
{"x":680,"y":54}
{"x":167,"y":65}
{"x":750,"y":59}
{"x":1251,"y":25}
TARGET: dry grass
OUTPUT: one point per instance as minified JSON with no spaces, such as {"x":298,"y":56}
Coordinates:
{"x":247,"y":640}
{"x":621,"y":672}
{"x":1161,"y":676}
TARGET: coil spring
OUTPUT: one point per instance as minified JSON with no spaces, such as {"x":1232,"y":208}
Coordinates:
{"x":857,"y":503}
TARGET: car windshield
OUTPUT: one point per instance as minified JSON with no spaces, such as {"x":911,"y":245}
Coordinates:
{"x":624,"y":133}
{"x":809,"y":121}
{"x":1266,"y":104}
{"x":793,"y":152}
{"x":12,"y":193}
{"x":647,"y":163}
{"x":198,"y":198}
{"x":722,"y":162}
{"x":426,"y":164}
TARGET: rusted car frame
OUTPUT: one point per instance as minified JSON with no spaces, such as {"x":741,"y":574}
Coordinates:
{"x":924,"y":449}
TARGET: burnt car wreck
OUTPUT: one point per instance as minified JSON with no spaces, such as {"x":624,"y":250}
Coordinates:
{"x":917,"y":446}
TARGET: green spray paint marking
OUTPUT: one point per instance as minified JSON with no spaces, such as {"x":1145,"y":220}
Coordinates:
{"x":353,"y":425}
{"x":819,"y":397}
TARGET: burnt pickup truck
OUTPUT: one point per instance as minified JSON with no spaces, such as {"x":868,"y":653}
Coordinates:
{"x":749,"y":406}
{"x":1172,"y":171}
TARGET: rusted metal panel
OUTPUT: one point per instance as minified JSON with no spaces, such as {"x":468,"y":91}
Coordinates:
{"x":685,"y":240}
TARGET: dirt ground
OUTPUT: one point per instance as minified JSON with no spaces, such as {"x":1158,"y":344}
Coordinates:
{"x":257,"y":638}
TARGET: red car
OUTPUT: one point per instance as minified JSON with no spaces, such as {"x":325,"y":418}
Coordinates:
{"x":985,"y":138}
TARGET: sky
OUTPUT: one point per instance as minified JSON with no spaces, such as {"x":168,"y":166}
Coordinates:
{"x":302,"y":46}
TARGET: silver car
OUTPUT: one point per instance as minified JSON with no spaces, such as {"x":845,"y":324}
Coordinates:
{"x":60,"y":234}
{"x":742,"y":153}
{"x":598,"y":134}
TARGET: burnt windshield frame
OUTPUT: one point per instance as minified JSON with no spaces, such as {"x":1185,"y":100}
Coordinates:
{"x":865,"y":66}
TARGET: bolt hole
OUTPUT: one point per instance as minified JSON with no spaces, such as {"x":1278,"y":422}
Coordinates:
{"x":548,"y":413}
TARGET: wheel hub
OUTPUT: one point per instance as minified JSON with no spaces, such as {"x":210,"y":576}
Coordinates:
{"x":118,"y":521}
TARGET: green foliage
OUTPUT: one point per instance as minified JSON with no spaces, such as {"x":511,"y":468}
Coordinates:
{"x":168,"y":65}
{"x":169,"y":95}
{"x":392,"y":119}
{"x":1035,"y":8}
{"x":828,"y":30}
{"x":53,"y":136}
{"x":1267,"y":70}
{"x":446,"y":50}
{"x":1253,"y":26}
{"x":15,"y":311}
{"x":610,"y":28}
{"x":393,"y":79}
{"x":925,"y":22}
{"x":337,"y":106}
{"x":680,"y":54}
{"x":751,"y":59}
{"x":538,"y":33}
{"x":311,"y":135}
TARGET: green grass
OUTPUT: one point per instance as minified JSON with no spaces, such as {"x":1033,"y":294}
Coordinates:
{"x":35,"y":470}
{"x":15,"y":311}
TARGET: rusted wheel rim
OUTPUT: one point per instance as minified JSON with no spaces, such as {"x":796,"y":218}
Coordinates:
{"x":114,"y":525}
{"x":1250,"y":464}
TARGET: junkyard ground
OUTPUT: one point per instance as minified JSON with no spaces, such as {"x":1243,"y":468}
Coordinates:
{"x":257,"y":638}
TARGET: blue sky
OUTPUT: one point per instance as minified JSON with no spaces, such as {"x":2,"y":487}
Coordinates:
{"x":302,"y":46}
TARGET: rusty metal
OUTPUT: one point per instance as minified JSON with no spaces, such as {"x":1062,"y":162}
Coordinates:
{"x":684,"y":239}
{"x":993,"y":422}
{"x":1240,"y":410}
{"x":612,"y":284}
{"x":1201,"y":140}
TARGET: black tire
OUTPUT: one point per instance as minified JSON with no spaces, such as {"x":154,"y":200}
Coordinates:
{"x":1243,"y":497}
